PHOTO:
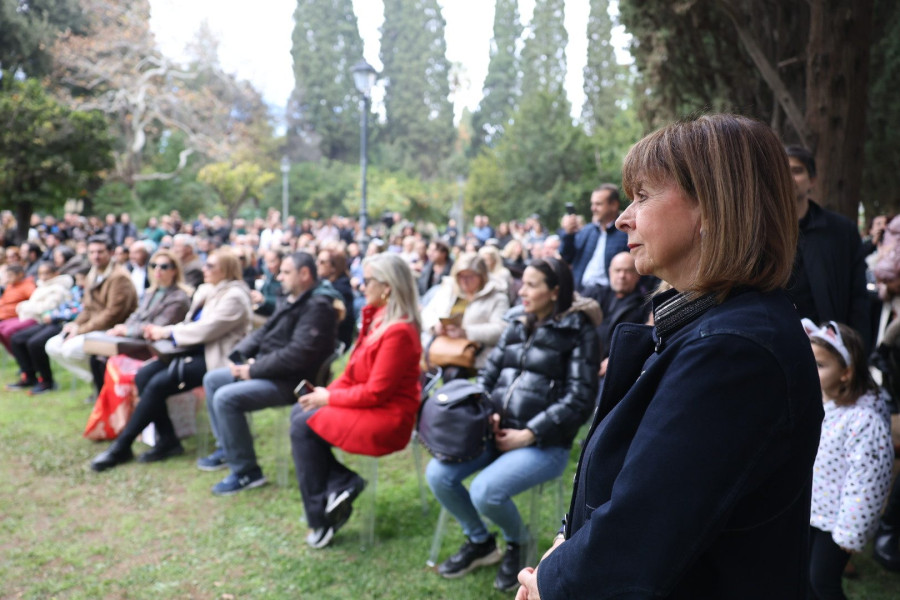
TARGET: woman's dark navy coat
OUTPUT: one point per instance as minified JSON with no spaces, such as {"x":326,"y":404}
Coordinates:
{"x":695,"y":479}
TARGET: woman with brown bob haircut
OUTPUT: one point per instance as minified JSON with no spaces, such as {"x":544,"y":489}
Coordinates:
{"x":695,"y":479}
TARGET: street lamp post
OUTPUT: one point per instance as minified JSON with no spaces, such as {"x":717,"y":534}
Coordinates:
{"x":364,"y":76}
{"x":285,"y":169}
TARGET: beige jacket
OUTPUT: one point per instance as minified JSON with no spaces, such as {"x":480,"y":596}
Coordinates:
{"x":47,"y":297}
{"x":482,"y":321}
{"x":224,"y":322}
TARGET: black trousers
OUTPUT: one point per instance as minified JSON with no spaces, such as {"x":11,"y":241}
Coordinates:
{"x":98,"y":370}
{"x":28,"y":350}
{"x":155,"y":382}
{"x":891,"y":515}
{"x":318,"y":472}
{"x":826,"y":566}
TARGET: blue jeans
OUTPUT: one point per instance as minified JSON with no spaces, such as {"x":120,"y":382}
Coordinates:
{"x":228,"y":401}
{"x":503,"y":475}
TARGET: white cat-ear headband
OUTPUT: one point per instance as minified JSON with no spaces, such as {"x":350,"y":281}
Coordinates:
{"x":831,"y":335}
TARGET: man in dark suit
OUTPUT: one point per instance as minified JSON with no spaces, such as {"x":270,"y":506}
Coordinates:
{"x":590,"y":249}
{"x":829,"y":278}
{"x":621,"y":302}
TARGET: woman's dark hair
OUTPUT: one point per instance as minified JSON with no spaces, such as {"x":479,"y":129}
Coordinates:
{"x":66,"y":252}
{"x":557,"y":274}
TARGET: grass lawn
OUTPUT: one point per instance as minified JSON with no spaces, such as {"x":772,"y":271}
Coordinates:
{"x":155,"y":531}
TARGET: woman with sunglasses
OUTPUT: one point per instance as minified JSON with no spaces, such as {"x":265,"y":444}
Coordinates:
{"x":370,"y":409}
{"x":165,"y":302}
{"x":217,"y":320}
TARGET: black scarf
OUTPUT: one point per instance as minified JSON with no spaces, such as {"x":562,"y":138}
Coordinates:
{"x":677,"y":309}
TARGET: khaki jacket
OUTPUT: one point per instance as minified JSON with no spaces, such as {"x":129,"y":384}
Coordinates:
{"x":107,"y":303}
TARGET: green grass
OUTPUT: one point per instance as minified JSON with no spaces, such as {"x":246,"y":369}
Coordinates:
{"x":155,"y":531}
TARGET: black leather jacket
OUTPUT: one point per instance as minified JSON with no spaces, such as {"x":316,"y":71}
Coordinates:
{"x":546,"y":381}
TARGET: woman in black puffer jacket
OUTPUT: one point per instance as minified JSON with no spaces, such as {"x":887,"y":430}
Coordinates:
{"x":542,"y":379}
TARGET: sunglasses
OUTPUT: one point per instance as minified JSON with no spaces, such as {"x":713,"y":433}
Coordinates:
{"x":162,"y":266}
{"x":369,"y":280}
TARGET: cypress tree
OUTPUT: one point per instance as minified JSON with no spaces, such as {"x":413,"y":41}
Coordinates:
{"x":419,"y":127}
{"x":323,"y":112}
{"x":501,"y":85}
{"x":602,"y":74}
{"x":544,"y":53}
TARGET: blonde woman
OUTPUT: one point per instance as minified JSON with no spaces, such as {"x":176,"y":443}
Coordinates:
{"x":370,"y":409}
{"x":166,"y":301}
{"x":469,"y":304}
{"x":494,"y":262}
{"x":219,"y":317}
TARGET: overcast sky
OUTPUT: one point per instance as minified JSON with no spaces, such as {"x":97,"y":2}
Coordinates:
{"x":256,"y":40}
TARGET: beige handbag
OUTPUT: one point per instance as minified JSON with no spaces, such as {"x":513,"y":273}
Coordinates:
{"x":445,"y":351}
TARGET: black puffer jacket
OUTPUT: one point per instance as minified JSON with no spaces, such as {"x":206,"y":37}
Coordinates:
{"x":293,"y":342}
{"x":546,"y":382}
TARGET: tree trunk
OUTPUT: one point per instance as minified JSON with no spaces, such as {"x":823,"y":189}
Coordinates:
{"x":24,"y":210}
{"x":837,"y":78}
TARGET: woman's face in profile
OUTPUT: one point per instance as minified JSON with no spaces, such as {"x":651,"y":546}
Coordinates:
{"x":663,"y":227}
{"x":212,"y":272}
{"x":375,"y":291}
{"x":537,"y":298}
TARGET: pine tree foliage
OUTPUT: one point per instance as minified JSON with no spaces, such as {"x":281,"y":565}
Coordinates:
{"x":544,"y":52}
{"x":690,"y":60}
{"x":48,"y":152}
{"x":501,"y":85}
{"x":801,"y":65}
{"x":323,"y":113}
{"x":27,"y":31}
{"x":419,"y":125}
{"x":881,"y":178}
{"x":542,"y":162}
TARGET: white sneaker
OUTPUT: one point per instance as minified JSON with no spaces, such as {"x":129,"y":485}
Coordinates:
{"x":319,"y":538}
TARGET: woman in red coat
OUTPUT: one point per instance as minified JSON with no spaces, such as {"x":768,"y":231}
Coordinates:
{"x":370,"y":409}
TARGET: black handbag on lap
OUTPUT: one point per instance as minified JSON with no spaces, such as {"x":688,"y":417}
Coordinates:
{"x":166,"y":350}
{"x":454,"y":422}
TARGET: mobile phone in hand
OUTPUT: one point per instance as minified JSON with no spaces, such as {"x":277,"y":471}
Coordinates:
{"x":570,"y":208}
{"x":303,"y":388}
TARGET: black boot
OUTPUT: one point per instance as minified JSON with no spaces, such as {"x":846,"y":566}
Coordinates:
{"x":507,"y":579}
{"x":162,"y":450}
{"x":115,"y":455}
{"x":886,"y":549}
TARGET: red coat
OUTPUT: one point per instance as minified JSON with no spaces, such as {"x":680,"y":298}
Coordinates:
{"x":372,"y":407}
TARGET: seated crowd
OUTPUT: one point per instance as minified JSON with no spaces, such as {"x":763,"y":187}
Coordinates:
{"x":250,"y":311}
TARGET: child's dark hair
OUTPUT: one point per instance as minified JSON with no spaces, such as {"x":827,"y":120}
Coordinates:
{"x":557,"y":274}
{"x":860,"y":378}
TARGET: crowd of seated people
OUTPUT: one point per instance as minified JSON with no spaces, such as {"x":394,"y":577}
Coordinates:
{"x":256,"y":306}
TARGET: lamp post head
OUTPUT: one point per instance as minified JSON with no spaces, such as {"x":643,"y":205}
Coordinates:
{"x":285,"y":165}
{"x":364,"y":76}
